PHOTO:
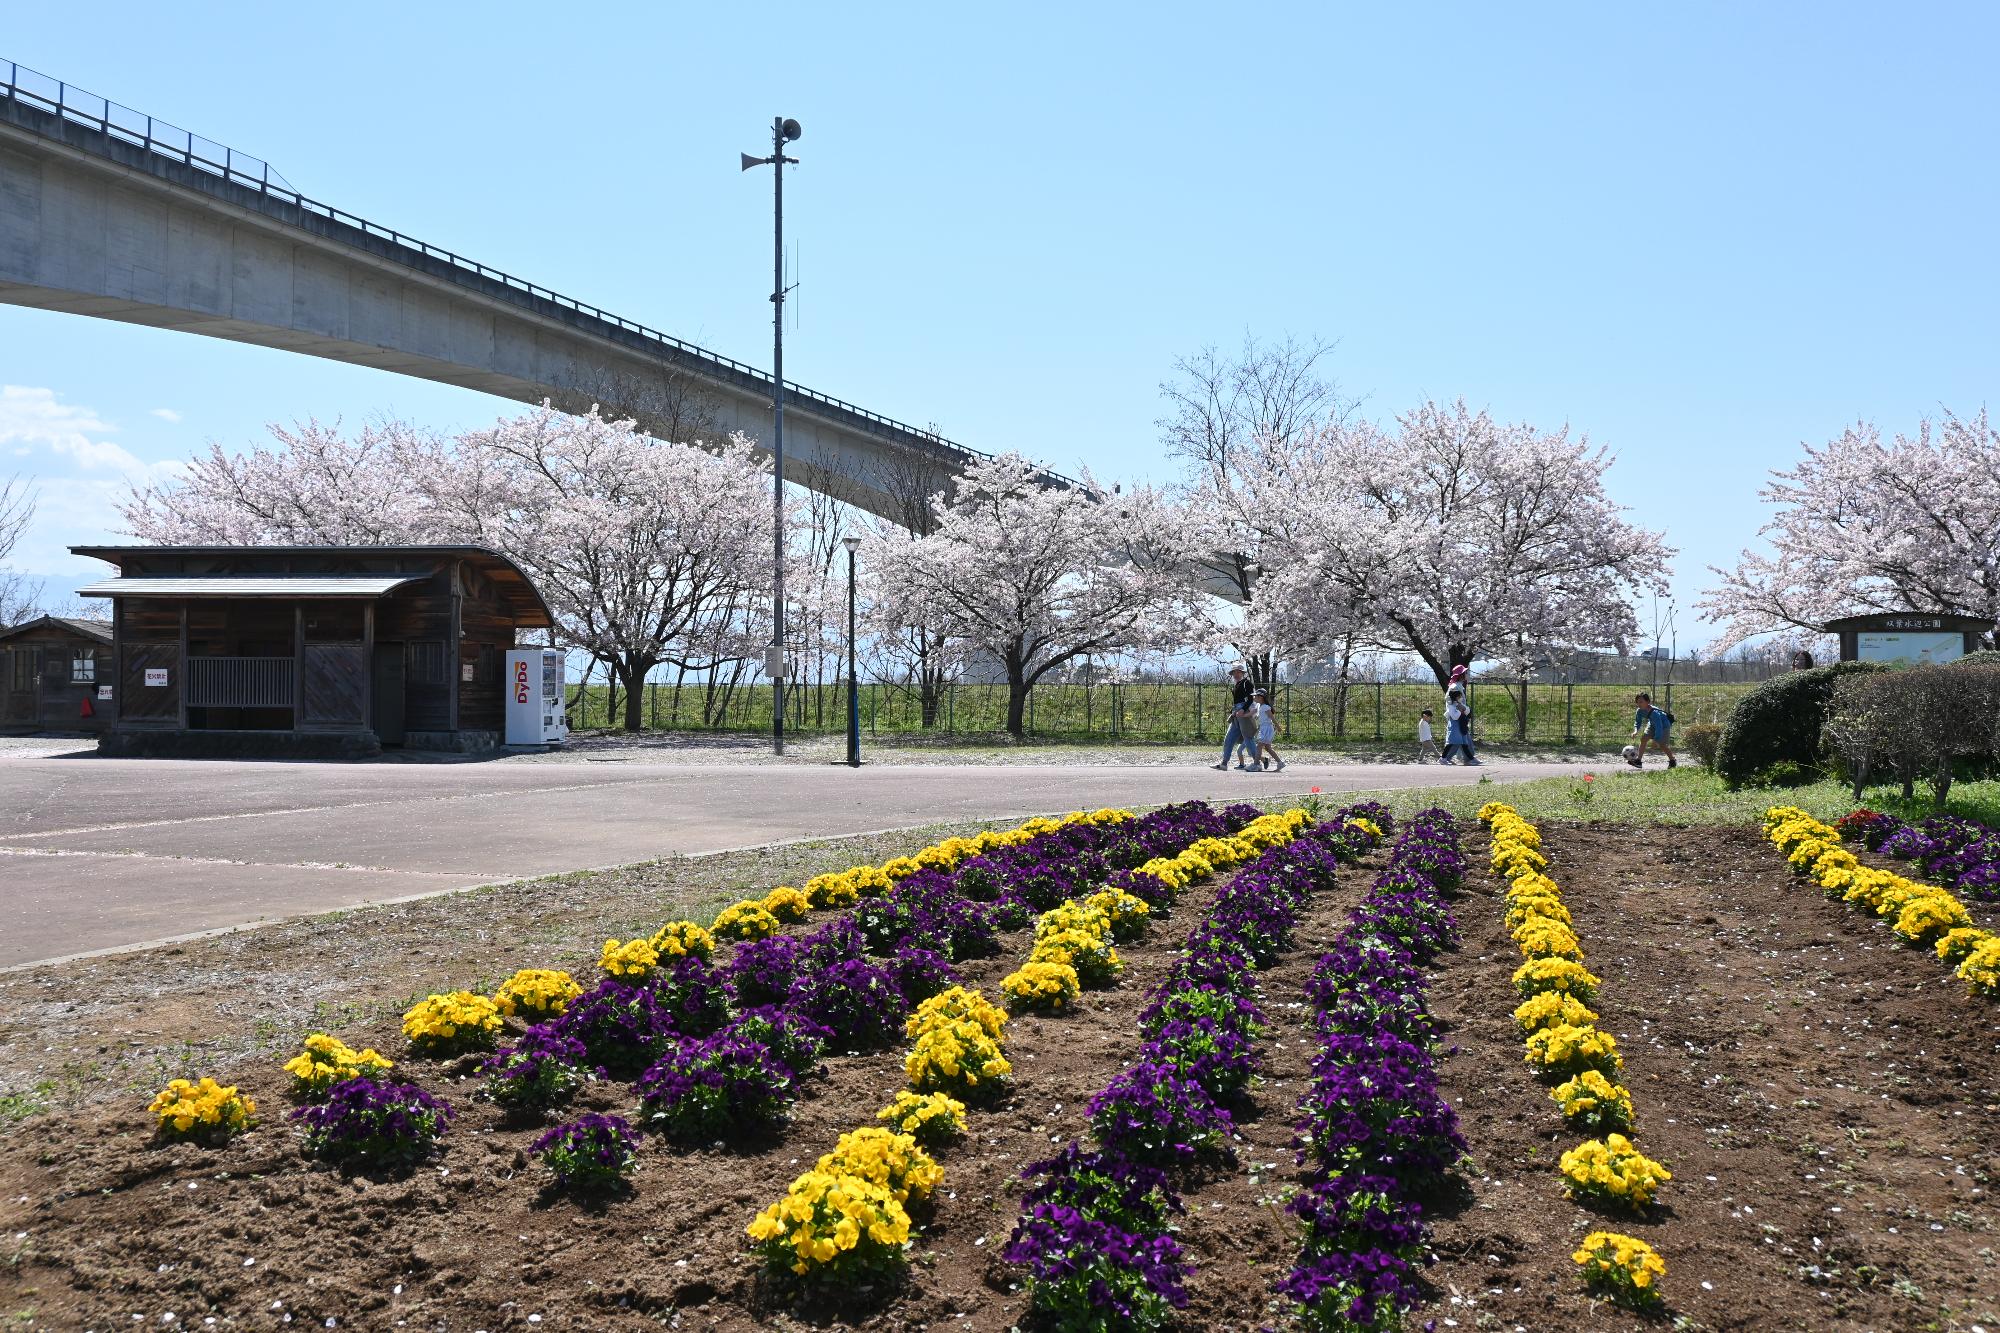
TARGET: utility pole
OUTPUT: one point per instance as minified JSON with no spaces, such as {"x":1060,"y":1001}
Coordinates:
{"x":783,"y":131}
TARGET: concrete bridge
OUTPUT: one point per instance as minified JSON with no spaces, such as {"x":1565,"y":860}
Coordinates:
{"x":107,"y":212}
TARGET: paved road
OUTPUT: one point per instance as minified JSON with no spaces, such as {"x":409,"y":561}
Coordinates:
{"x":104,"y":853}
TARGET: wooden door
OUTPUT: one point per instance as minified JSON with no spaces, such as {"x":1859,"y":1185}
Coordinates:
{"x":388,"y":691}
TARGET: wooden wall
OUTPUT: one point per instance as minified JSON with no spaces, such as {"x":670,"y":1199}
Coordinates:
{"x":39,"y":663}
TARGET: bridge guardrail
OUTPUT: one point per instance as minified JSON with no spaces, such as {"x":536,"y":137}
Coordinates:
{"x":116,"y":121}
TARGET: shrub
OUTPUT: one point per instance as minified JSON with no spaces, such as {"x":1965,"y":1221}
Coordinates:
{"x":682,"y":939}
{"x":535,"y":993}
{"x":919,"y":973}
{"x":931,"y":1118}
{"x":1702,"y":740}
{"x":717,"y":1088}
{"x":1592,"y":1101}
{"x":203,"y":1109}
{"x":1563,"y":1051}
{"x":1086,"y":1273}
{"x":1348,"y":1291}
{"x":958,"y":1057}
{"x":1050,"y":986}
{"x":327,"y":1060}
{"x":1151,"y":1115}
{"x":593,"y":1153}
{"x":376,"y":1124}
{"x":762,"y":971}
{"x":1628,"y":1270}
{"x":452,"y":1023}
{"x":1357,"y":1211}
{"x":1915,"y":723}
{"x":691,"y":992}
{"x":746,"y":921}
{"x":855,"y":1000}
{"x":833,"y":1230}
{"x":628,"y":960}
{"x":1611,"y":1170}
{"x":953,"y":1006}
{"x":622,"y":1025}
{"x":787,"y":904}
{"x":795,"y":1039}
{"x":884,"y":1157}
{"x":538,"y":1073}
{"x":1780,"y":720}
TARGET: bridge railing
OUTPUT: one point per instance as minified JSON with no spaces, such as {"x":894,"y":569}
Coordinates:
{"x":32,"y":88}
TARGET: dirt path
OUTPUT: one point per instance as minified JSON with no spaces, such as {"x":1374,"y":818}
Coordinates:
{"x":1827,"y":1098}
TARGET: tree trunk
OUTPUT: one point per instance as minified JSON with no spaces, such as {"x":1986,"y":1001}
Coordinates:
{"x":1017,"y":701}
{"x":633,"y":672}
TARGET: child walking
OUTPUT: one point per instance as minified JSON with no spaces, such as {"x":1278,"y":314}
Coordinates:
{"x":1267,"y":730}
{"x":1426,"y":739}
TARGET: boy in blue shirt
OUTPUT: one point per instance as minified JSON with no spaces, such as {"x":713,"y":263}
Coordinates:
{"x":1651,"y":726}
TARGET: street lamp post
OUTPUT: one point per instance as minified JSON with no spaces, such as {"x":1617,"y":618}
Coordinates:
{"x":783,"y":131}
{"x":852,"y":544}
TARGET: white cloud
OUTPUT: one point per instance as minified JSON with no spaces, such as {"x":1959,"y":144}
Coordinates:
{"x":165,"y":414}
{"x":78,"y":479}
{"x":34,"y":416}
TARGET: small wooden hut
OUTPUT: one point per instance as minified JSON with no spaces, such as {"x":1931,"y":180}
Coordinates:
{"x":51,"y":669}
{"x":310,"y":650}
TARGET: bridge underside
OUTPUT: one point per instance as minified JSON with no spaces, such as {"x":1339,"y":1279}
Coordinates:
{"x":164,"y":245}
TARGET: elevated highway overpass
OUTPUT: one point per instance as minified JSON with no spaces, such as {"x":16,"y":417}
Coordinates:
{"x":107,"y":212}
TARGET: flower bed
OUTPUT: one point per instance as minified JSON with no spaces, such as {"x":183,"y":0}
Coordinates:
{"x":1093,"y":1235}
{"x":1375,"y":1133}
{"x":1925,"y":915}
{"x":1564,"y":1045}
{"x":829,"y":1234}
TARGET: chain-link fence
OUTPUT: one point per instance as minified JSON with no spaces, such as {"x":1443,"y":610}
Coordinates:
{"x":1172,"y":711}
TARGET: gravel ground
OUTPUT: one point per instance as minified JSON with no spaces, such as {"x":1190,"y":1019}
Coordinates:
{"x":119,"y":1026}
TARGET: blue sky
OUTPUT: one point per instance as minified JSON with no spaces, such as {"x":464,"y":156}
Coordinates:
{"x":1699,"y":234}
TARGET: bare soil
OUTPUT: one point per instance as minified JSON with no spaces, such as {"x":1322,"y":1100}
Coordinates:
{"x":1827,"y":1098}
{"x":106,"y":1224}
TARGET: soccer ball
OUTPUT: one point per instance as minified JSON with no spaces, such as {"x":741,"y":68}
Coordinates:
{"x":1631,"y":753}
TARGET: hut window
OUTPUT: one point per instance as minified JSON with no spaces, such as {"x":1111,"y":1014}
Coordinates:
{"x":24,"y":669}
{"x":83,"y":667}
{"x":427,"y":663}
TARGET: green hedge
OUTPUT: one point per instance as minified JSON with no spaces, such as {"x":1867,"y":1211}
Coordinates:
{"x":1780,"y":722}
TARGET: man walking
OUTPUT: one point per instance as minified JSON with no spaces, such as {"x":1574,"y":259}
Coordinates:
{"x":1238,"y":735}
{"x":1651,"y":726}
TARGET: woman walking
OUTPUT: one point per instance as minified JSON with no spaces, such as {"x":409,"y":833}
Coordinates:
{"x":1457,"y":725}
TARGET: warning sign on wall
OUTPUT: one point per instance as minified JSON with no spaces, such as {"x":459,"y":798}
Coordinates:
{"x":156,"y":675}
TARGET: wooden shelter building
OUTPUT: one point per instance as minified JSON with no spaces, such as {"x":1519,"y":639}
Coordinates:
{"x":50,"y":670}
{"x":310,"y":650}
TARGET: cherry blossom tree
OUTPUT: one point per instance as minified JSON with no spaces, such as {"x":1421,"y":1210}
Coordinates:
{"x":639,"y":546}
{"x":1229,"y":419}
{"x":1453,"y":536}
{"x":647,"y":552}
{"x":1038,"y":576}
{"x":1862,"y":525}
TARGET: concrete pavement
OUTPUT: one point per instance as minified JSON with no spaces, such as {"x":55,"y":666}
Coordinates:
{"x":99,"y":854}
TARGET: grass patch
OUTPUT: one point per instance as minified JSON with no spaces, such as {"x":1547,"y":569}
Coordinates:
{"x":1682,"y":796}
{"x":18,"y":1106}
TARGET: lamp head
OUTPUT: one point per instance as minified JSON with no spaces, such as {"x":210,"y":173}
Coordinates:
{"x":852,"y":544}
{"x":790,"y":131}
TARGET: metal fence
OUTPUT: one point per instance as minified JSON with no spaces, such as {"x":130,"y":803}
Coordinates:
{"x":1179,"y":711}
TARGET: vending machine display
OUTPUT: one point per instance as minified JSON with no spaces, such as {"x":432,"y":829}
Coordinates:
{"x":534,"y":682}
